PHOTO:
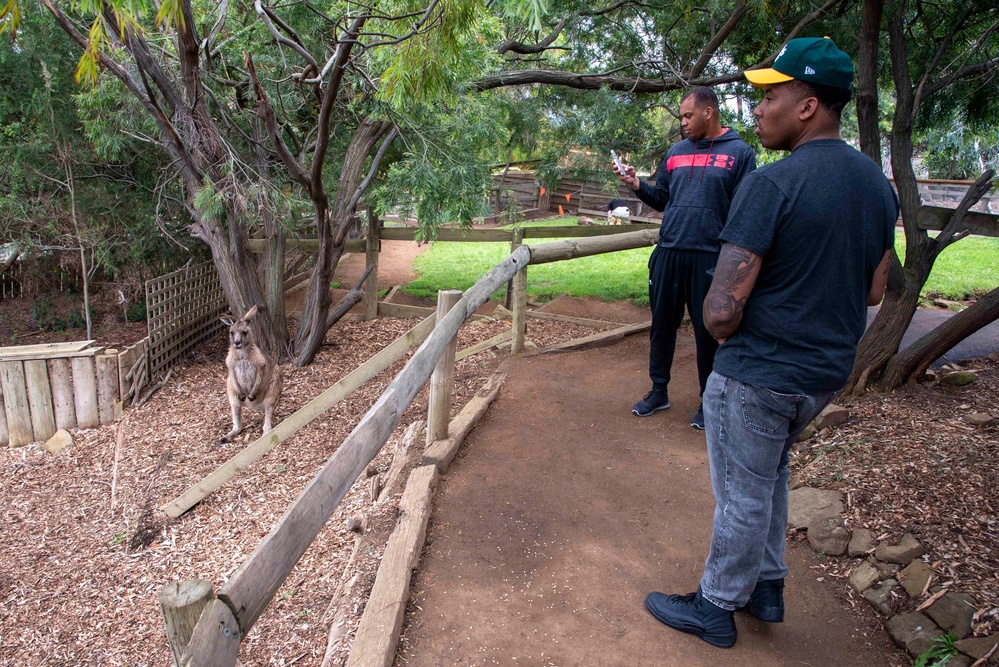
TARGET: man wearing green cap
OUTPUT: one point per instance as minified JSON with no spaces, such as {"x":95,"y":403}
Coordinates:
{"x":805,"y":250}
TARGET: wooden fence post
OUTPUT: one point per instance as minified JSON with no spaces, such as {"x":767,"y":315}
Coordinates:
{"x":519,"y":311}
{"x":442,"y":381}
{"x":372,"y":247}
{"x":518,"y":240}
{"x":182,"y":603}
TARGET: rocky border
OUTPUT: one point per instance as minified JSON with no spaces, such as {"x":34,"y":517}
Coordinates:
{"x":891,"y":577}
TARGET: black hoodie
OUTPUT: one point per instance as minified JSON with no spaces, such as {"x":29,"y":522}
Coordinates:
{"x":694,"y":188}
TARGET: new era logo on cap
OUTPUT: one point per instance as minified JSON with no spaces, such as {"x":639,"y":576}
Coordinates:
{"x":811,"y":59}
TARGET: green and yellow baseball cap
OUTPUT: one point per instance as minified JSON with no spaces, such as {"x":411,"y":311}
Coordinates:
{"x":810,"y":59}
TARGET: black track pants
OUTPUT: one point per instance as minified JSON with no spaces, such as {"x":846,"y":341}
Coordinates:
{"x":679,"y":278}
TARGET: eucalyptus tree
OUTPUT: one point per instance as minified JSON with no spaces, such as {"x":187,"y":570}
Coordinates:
{"x":255,"y":103}
{"x":943,"y":60}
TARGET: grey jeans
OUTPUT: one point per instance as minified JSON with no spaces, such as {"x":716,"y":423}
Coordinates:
{"x":750,"y":431}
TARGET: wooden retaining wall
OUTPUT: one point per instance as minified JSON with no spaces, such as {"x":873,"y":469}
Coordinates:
{"x":60,"y":385}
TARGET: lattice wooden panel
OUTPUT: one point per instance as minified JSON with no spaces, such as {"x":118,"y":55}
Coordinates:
{"x":183,"y":310}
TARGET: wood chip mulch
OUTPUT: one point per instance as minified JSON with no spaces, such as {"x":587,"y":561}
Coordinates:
{"x":80,"y":574}
{"x":909,"y":462}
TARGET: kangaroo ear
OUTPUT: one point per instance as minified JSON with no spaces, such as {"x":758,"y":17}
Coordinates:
{"x":251,"y":312}
{"x":226,"y":321}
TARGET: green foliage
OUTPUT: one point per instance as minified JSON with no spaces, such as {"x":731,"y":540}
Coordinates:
{"x":940,"y":653}
{"x":432,"y":64}
{"x":444,"y":176}
{"x":136,"y":312}
{"x":964,"y":270}
{"x":47,"y":316}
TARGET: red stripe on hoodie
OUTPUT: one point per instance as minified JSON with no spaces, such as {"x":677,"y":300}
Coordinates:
{"x":701,"y":160}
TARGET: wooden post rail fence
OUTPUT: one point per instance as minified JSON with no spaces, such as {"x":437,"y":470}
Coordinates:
{"x":244,"y":597}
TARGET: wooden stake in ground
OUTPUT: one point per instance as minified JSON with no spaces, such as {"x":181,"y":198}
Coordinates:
{"x":182,"y":603}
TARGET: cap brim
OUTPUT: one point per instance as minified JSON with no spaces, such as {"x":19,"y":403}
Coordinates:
{"x":765,"y":77}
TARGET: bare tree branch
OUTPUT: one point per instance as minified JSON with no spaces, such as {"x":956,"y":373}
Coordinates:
{"x":541,"y":46}
{"x":955,"y":229}
{"x":270,"y":120}
{"x":740,"y":10}
{"x":295,"y":43}
{"x":375,"y":164}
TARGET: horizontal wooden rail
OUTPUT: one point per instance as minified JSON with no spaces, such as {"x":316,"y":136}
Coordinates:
{"x":467,"y":235}
{"x":936,"y":218}
{"x":562,"y":250}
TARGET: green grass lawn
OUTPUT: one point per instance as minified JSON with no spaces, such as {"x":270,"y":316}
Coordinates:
{"x":969,"y":267}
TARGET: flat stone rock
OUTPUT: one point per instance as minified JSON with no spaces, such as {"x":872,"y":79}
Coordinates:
{"x":58,"y":442}
{"x":960,"y":660}
{"x":864,"y":576}
{"x":807,"y":434}
{"x":806,"y":503}
{"x":831,"y":416}
{"x":959,"y":378}
{"x":861,"y":542}
{"x":979,"y":647}
{"x":915,"y":577}
{"x":907,"y":550}
{"x":886,"y":569}
{"x":880,"y":597}
{"x":953,"y":612}
{"x":913,"y":631}
{"x":980,"y":419}
{"x":828,"y":535}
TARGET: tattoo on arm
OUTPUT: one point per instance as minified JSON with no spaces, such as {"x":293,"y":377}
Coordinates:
{"x":735,"y":276}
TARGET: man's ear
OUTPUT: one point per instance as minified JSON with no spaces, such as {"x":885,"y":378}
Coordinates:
{"x":807,"y":107}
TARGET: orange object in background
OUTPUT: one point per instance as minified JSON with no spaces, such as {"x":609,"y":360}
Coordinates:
{"x":568,"y":196}
{"x":560,"y":211}
{"x":542,"y":192}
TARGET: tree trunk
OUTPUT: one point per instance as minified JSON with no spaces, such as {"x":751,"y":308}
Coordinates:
{"x":332,"y":232}
{"x":910,"y":364}
{"x":867,"y":81}
{"x":274,"y":260}
{"x":884,"y":335}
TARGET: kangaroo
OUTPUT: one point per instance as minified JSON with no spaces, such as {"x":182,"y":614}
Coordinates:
{"x":254,"y":379}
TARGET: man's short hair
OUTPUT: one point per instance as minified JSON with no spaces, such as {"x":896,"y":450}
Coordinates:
{"x":703,"y":96}
{"x":618,"y":203}
{"x":833,"y":99}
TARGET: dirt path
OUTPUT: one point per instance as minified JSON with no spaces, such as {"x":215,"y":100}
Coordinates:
{"x":563,"y":510}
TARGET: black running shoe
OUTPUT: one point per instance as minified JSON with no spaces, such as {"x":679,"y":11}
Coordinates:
{"x":657,"y":399}
{"x":698,"y":420}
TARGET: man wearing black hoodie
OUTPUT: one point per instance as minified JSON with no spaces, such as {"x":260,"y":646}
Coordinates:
{"x":693,"y":188}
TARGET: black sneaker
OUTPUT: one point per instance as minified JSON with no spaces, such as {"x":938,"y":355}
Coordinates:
{"x":767,"y":601}
{"x":695,"y":615}
{"x":698,"y":420}
{"x":657,"y":399}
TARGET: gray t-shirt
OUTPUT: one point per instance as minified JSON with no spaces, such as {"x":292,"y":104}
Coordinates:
{"x":821,"y":219}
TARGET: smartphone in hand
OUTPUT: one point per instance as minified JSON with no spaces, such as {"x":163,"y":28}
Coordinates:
{"x":617,"y":163}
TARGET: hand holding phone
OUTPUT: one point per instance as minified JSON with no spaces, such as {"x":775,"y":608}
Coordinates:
{"x":617,"y":163}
